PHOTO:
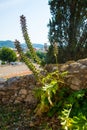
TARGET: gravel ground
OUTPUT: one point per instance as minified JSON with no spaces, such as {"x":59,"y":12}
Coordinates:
{"x":8,"y":71}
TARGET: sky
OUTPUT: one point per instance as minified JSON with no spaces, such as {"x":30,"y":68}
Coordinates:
{"x":37,"y":13}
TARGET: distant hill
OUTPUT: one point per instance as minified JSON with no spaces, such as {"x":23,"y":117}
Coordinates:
{"x":10,"y":44}
{"x":7,"y":43}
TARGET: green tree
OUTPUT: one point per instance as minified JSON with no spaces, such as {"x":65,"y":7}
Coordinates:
{"x":68,"y":27}
{"x":50,"y":58}
{"x":6,"y":54}
{"x":41,"y":55}
{"x":28,"y":54}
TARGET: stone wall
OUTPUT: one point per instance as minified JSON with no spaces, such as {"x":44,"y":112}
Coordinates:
{"x":20,"y":89}
{"x":77,"y":73}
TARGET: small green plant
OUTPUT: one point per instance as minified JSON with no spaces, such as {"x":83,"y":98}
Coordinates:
{"x":48,"y":93}
{"x":78,"y":122}
{"x":74,"y":115}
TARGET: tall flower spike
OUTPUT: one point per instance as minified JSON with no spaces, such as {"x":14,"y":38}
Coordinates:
{"x":55,"y":49}
{"x":26,"y":60}
{"x":27,"y":39}
{"x":17,"y":45}
{"x":23,"y":23}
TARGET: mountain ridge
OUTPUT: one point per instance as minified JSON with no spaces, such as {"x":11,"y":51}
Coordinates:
{"x":10,"y":44}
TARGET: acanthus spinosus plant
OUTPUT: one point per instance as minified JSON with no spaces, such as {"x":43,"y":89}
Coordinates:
{"x":50,"y":82}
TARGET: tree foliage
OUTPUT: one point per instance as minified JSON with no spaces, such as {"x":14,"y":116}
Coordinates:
{"x":50,"y":58}
{"x":68,"y":27}
{"x":40,"y":54}
{"x":6,"y":54}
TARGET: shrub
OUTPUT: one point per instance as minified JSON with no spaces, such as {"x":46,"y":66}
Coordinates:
{"x":6,"y":54}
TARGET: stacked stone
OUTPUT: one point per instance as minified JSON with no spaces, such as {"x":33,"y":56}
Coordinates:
{"x":20,"y":89}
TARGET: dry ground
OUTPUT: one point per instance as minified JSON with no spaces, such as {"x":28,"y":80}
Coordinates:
{"x":8,"y":71}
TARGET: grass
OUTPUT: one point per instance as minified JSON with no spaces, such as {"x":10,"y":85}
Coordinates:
{"x":13,"y":116}
{"x":20,"y":117}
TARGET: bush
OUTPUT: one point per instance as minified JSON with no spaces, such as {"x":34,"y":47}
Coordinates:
{"x":3,"y":62}
{"x":6,"y":54}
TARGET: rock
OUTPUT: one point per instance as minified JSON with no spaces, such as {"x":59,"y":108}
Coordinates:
{"x":83,"y":61}
{"x":12,"y":80}
{"x":31,"y":100}
{"x":83,"y":67}
{"x":64,"y":67}
{"x":23,"y":92}
{"x":2,"y":82}
{"x":75,"y":83}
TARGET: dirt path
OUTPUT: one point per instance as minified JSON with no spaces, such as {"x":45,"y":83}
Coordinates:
{"x":8,"y":71}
